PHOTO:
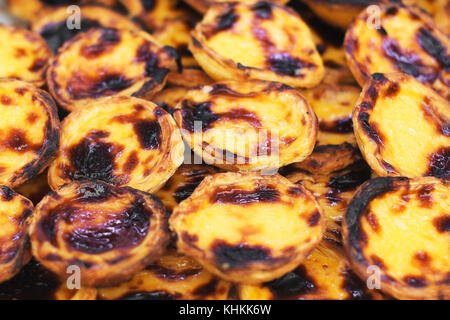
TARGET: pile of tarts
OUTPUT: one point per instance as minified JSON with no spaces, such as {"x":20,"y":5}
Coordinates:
{"x":247,"y":149}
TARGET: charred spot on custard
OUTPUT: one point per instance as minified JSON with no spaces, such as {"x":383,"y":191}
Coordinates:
{"x":314,"y":219}
{"x":93,"y":158}
{"x":293,"y":284}
{"x":82,"y":86}
{"x":371,"y":128}
{"x":433,"y":46}
{"x":262,"y":10}
{"x":149,"y":133}
{"x":153,"y":295}
{"x":442,"y":223}
{"x":440,"y":163}
{"x":107,"y":41}
{"x":422,"y":257}
{"x":337,"y":126}
{"x":152,"y":69}
{"x":17,"y":141}
{"x":200,"y":116}
{"x":126,"y":230}
{"x":425,"y":196}
{"x":350,"y":181}
{"x":285,"y":64}
{"x":415,"y":281}
{"x":38,"y":65}
{"x":131,"y":163}
{"x":200,"y":113}
{"x":207,"y":288}
{"x":235,"y":195}
{"x":237,"y":256}
{"x":55,"y":34}
{"x":408,"y":63}
{"x":7,"y":193}
{"x":226,"y":20}
{"x":354,"y":286}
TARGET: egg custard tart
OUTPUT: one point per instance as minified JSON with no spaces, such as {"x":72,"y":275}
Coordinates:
{"x":249,"y":125}
{"x":403,"y":127}
{"x":124,"y":141}
{"x":29,"y":131}
{"x":108,"y":62}
{"x":24,"y":56}
{"x":420,"y":49}
{"x":401,"y":226}
{"x":15,"y":211}
{"x":247,"y":227}
{"x":239,"y":41}
{"x":109,"y":233}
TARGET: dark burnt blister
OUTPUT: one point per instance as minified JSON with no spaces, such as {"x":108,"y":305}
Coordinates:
{"x":102,"y":85}
{"x":197,"y":115}
{"x":238,"y":256}
{"x":94,"y":158}
{"x":370,"y":128}
{"x":285,"y":64}
{"x":433,"y":46}
{"x":263,"y":10}
{"x":338,"y":126}
{"x":415,"y":281}
{"x":56,"y":34}
{"x":408,"y":63}
{"x":234,"y":195}
{"x":440,"y":163}
{"x":354,"y":286}
{"x":227,"y":19}
{"x":294,"y":284}
{"x":442,"y":223}
{"x":127,"y":229}
{"x":149,"y":133}
{"x":107,"y":41}
{"x":206,"y":289}
{"x":7,"y":194}
{"x":350,"y":181}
